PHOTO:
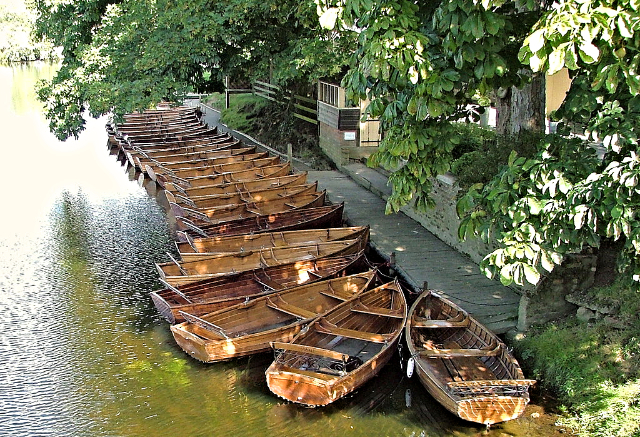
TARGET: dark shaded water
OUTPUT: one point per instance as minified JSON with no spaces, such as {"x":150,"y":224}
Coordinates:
{"x":82,"y":351}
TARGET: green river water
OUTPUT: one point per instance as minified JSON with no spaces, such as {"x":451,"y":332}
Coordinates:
{"x":82,"y":350}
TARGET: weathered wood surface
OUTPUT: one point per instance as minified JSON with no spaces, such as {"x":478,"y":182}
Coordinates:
{"x":462,"y":364}
{"x":249,"y":328}
{"x":341,"y":350}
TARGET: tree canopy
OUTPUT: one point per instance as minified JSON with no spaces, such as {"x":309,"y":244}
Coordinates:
{"x":423,"y":66}
{"x":426,"y":65}
{"x":126,"y":55}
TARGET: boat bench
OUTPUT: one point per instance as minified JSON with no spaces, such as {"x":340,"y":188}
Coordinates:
{"x":461,"y":320}
{"x":310,"y":350}
{"x":373,"y":337}
{"x":285,"y":307}
{"x":377,"y":311}
{"x":311,"y":374}
{"x":460,"y":353}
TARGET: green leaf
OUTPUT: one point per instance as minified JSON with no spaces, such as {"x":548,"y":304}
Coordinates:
{"x":506,"y":277}
{"x":546,"y":261}
{"x":535,"y":41}
{"x":589,"y":53}
{"x":328,"y":18}
{"x":531,"y":274}
{"x":556,"y":60}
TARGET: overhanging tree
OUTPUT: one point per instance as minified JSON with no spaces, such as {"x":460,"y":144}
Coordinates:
{"x":425,"y":65}
{"x":126,"y":55}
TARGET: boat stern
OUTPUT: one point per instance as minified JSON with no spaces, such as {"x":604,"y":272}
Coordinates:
{"x":488,"y":410}
{"x":303,"y":387}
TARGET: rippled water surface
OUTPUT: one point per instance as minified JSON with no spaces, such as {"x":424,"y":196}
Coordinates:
{"x":82,"y":351}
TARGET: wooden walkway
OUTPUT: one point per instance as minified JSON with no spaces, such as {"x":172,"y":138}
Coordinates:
{"x":420,"y":256}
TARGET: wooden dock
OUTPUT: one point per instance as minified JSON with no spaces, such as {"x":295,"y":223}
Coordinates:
{"x":420,"y":256}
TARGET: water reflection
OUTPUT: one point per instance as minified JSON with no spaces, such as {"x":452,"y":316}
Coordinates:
{"x":82,"y":351}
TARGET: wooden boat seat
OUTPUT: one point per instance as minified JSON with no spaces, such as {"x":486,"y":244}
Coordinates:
{"x":268,"y":283}
{"x":204,"y":324}
{"x":336,"y":294}
{"x":491,"y":382}
{"x":373,"y":337}
{"x":460,"y":321}
{"x":377,"y":311}
{"x":459,"y":353}
{"x":311,"y":373}
{"x":310,"y":350}
{"x":285,"y":307}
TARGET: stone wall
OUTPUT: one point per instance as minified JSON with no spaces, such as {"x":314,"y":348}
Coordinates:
{"x":443,"y":220}
{"x":538,"y":305}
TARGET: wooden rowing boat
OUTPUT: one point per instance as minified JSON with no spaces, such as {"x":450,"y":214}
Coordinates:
{"x":186,"y":153}
{"x":157,"y":128}
{"x":329,"y":216}
{"x":217,"y":200}
{"x":184,"y":272}
{"x":211,"y":170}
{"x":462,"y":364}
{"x":177,"y":144}
{"x":249,"y":328}
{"x":232,"y":187}
{"x":251,"y":174}
{"x":213,"y":294}
{"x":341,"y":350}
{"x":231,"y":148}
{"x":190,"y":134}
{"x":184,"y":166}
{"x":250,"y":209}
{"x":194,"y":249}
{"x":152,"y":137}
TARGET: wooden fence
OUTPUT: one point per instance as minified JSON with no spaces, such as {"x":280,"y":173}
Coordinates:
{"x":305,"y":108}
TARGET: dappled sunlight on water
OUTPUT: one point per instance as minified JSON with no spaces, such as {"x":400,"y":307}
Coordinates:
{"x":82,"y":350}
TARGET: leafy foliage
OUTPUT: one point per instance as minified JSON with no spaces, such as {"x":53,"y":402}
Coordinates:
{"x":127,"y":55}
{"x":582,"y":198}
{"x":424,"y":65}
{"x":587,"y":366}
{"x":16,"y":43}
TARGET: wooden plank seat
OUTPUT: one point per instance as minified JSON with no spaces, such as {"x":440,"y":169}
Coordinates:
{"x":460,"y":352}
{"x":376,"y":311}
{"x":279,"y":304}
{"x":336,"y":294}
{"x":311,"y":374}
{"x":310,"y":350}
{"x":461,"y":320}
{"x":374,"y":337}
{"x":492,"y":382}
{"x":204,"y":324}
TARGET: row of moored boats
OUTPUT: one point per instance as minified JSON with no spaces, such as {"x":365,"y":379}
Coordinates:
{"x":265,"y":265}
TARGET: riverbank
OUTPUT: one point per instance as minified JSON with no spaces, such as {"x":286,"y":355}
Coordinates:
{"x":591,"y":366}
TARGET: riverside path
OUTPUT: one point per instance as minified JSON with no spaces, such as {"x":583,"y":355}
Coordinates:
{"x":420,"y":257}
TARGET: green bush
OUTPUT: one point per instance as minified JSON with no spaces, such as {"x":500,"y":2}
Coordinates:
{"x":593,"y":368}
{"x":482,"y":153}
{"x":274,"y":125}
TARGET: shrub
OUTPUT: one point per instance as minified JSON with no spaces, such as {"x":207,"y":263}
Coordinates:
{"x":482,"y":153}
{"x":593,"y":368}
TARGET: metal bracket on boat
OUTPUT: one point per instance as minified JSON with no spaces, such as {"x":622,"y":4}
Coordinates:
{"x":182,"y":270}
{"x":175,"y":290}
{"x":189,"y":224}
{"x":204,"y":324}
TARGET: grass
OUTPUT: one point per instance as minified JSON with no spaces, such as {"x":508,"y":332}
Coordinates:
{"x":594,"y":368}
{"x":273,"y":125}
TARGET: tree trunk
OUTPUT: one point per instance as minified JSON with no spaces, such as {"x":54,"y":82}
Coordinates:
{"x":522,"y":109}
